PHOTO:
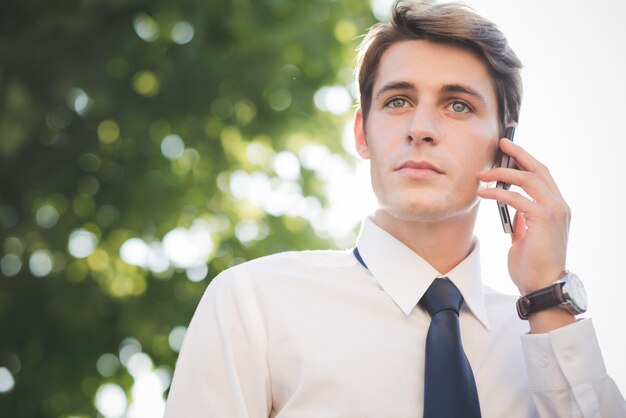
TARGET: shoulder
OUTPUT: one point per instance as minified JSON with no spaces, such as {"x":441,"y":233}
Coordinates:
{"x":290,"y":264}
{"x":281,"y":281}
{"x":315,"y":259}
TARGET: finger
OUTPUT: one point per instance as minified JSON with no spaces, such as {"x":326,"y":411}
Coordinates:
{"x":531,"y":211}
{"x":508,"y":197}
{"x":529,"y":182}
{"x":529,"y":163}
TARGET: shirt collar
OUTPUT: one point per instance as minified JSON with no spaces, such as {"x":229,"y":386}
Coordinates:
{"x":405,"y":276}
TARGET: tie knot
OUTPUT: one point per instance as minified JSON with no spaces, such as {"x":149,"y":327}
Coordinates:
{"x":442,"y":294}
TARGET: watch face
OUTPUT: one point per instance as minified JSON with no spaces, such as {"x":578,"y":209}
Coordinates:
{"x":576,"y":291}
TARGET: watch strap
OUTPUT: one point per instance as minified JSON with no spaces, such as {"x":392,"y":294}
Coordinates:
{"x":541,"y":299}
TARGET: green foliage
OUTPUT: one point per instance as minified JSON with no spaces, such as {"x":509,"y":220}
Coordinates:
{"x":89,"y":92}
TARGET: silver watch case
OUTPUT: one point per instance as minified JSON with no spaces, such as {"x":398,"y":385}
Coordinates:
{"x":574,"y":294}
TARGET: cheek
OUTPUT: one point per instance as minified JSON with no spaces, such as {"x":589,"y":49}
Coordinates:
{"x":478,"y":157}
{"x":486,"y":149}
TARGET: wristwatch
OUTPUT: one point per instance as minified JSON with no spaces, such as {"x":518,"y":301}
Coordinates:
{"x":567,"y":293}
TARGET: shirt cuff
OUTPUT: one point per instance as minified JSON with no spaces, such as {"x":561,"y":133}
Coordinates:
{"x":563,"y":358}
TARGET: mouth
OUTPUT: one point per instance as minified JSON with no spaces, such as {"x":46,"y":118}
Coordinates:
{"x":419,"y":170}
{"x":418,"y":165}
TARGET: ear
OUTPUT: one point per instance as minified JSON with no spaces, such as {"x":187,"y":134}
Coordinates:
{"x":359,"y":135}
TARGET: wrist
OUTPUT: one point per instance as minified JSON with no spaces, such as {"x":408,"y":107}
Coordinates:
{"x":566,"y":295}
{"x":546,"y":279}
{"x":549,"y":319}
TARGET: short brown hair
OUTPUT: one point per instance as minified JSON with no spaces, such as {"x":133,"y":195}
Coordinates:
{"x":451,"y":23}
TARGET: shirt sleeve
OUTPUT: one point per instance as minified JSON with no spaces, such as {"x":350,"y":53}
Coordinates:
{"x":567,"y":376}
{"x":222,"y":368}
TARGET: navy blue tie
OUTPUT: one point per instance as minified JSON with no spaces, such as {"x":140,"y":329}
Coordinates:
{"x":449,"y":386}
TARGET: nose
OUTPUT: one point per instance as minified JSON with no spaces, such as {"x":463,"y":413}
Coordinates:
{"x":423,"y":126}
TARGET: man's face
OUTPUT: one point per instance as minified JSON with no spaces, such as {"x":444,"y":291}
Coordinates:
{"x":432,"y":127}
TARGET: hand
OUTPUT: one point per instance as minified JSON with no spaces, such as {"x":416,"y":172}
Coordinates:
{"x":539,"y":244}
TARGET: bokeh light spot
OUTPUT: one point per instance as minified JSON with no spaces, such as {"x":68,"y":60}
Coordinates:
{"x":98,"y":260}
{"x":189,"y":247}
{"x":172,"y":147}
{"x":222,"y":108}
{"x":176,"y":338}
{"x":182,"y":32}
{"x":279,"y":99}
{"x":146,"y":27}
{"x":139,"y":364}
{"x":47,"y":216}
{"x":334,"y":99}
{"x":313,"y":156}
{"x":146,"y":83}
{"x":78,"y":100}
{"x":135,"y":252}
{"x":128,"y":347}
{"x":186,"y":162}
{"x":108,"y":131}
{"x":13,"y":245}
{"x":258,"y":153}
{"x":59,"y":118}
{"x":82,"y":243}
{"x":247,"y":231}
{"x":107,"y":216}
{"x":318,"y":11}
{"x":111,"y":400}
{"x":90,"y":163}
{"x":164,"y":374}
{"x":345,"y":31}
{"x":40,"y":263}
{"x":197,"y":273}
{"x":108,"y":364}
{"x":76,"y":271}
{"x":10,"y":265}
{"x":7,"y":382}
{"x":245,"y":111}
{"x":158,"y":263}
{"x":88,"y":185}
{"x":287,"y":165}
{"x":381,"y":8}
{"x":83,"y":206}
{"x":127,"y":284}
{"x":294,"y":53}
{"x":147,"y":395}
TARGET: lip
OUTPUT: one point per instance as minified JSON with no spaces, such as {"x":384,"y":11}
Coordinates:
{"x":419,"y":170}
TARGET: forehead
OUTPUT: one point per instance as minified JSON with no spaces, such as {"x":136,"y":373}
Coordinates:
{"x":428,"y":64}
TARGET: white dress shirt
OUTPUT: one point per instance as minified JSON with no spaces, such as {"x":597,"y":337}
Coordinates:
{"x":314,"y":334}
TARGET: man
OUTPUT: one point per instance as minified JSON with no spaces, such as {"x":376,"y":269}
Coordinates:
{"x":350,"y":334}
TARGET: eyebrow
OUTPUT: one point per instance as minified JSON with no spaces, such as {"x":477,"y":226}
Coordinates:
{"x":461,"y":88}
{"x":394,"y":85}
{"x":448,"y":88}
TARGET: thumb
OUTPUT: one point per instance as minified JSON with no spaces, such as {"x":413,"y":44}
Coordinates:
{"x":519,"y":227}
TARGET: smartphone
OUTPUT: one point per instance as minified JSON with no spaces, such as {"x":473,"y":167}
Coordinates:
{"x":505,"y":161}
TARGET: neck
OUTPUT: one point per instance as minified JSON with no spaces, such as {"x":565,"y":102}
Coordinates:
{"x":443,"y":244}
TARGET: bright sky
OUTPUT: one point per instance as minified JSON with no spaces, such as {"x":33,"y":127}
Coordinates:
{"x":574,"y":55}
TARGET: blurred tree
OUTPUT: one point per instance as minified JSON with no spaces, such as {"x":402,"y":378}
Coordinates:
{"x":142,"y":142}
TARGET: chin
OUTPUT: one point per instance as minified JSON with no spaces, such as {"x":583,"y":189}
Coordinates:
{"x":431,"y":211}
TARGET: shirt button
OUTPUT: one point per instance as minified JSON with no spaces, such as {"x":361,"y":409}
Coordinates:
{"x":569,"y":355}
{"x":544,"y":361}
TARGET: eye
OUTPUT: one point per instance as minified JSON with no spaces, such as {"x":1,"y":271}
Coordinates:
{"x":397,"y":102}
{"x":459,"y":107}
